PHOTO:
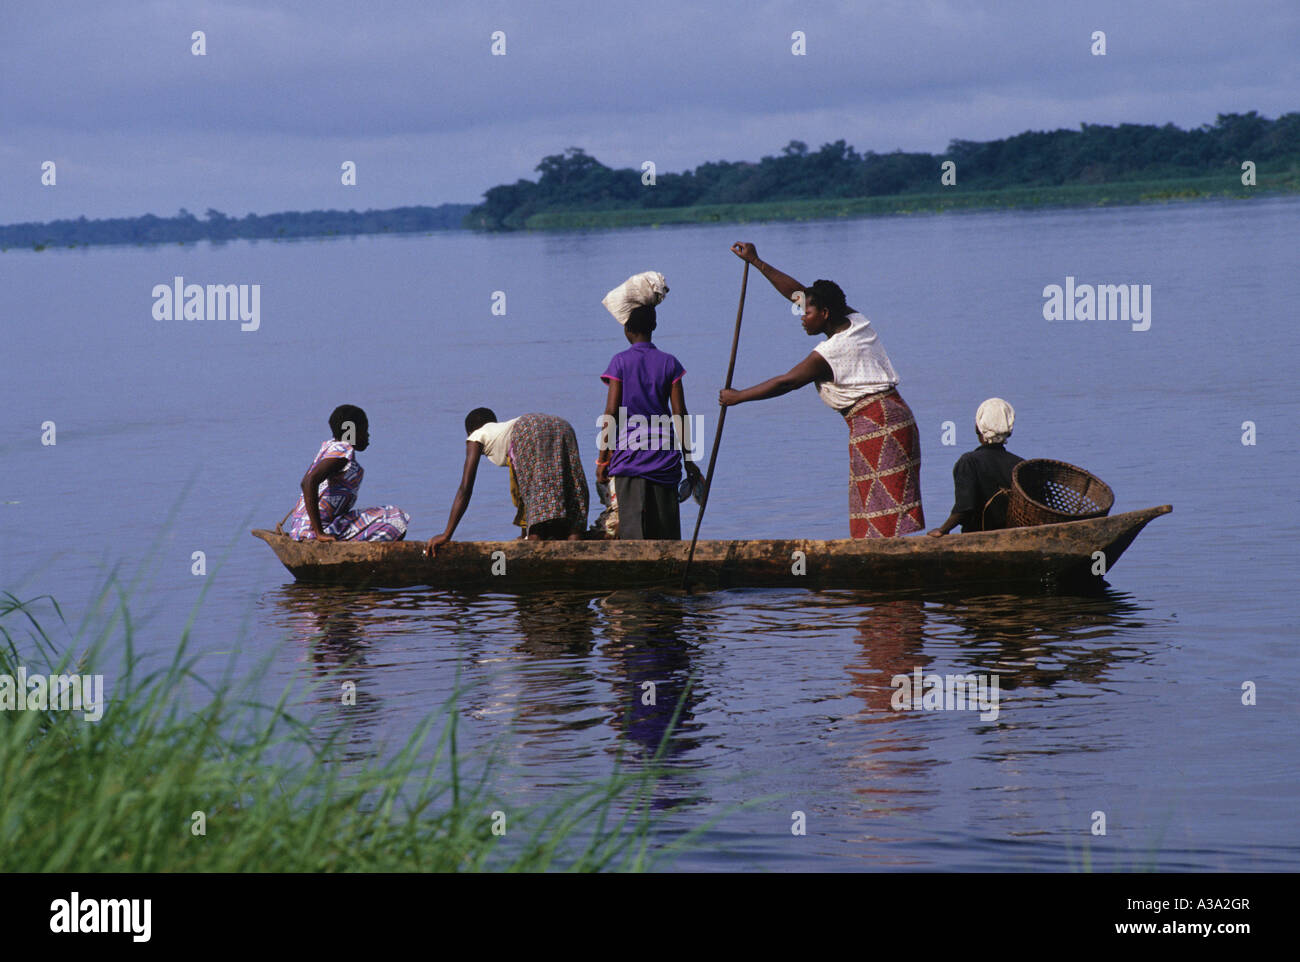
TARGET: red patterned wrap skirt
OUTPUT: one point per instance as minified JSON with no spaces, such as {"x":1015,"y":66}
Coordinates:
{"x":884,"y":467}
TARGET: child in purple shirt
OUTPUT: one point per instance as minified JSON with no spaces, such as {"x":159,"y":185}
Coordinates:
{"x":645,"y":462}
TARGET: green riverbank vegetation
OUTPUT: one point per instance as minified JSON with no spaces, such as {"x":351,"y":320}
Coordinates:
{"x":1108,"y":195}
{"x":1096,"y":165}
{"x":185,"y":774}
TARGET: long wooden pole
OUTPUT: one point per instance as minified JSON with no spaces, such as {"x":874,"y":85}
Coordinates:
{"x":717,"y":435}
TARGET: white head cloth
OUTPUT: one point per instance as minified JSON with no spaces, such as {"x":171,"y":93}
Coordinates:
{"x":637,"y":291}
{"x":994,"y":421}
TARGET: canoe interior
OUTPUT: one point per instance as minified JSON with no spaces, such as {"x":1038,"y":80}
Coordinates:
{"x":1045,"y":555}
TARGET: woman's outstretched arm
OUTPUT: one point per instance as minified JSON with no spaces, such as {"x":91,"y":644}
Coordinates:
{"x":784,"y":283}
{"x":473,"y":451}
{"x":811,"y":368}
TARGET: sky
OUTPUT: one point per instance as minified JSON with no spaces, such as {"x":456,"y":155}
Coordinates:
{"x":411,"y":92}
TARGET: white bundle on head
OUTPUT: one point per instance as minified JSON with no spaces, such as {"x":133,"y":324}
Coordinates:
{"x":639,"y":290}
{"x":994,"y":420}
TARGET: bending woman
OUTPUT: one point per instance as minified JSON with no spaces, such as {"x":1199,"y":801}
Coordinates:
{"x":324,"y":510}
{"x":853,"y":375}
{"x":547,"y":482}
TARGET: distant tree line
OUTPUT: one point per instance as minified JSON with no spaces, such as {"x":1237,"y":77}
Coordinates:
{"x":1093,"y":154}
{"x":218,"y":227}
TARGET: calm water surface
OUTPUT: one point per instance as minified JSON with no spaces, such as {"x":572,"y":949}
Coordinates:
{"x":174,"y":437}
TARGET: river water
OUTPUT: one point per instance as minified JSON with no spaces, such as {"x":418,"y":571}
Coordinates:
{"x":173,"y":437}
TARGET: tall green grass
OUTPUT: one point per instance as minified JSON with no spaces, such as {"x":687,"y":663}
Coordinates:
{"x":121,"y":794}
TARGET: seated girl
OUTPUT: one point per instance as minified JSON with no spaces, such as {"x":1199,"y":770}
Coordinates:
{"x":324,"y":511}
{"x":547,"y":482}
{"x":981,"y":473}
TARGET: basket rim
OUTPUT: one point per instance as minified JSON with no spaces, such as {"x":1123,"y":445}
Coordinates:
{"x":1018,"y":489}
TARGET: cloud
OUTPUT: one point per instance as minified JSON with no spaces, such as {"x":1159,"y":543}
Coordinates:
{"x":410,"y":90}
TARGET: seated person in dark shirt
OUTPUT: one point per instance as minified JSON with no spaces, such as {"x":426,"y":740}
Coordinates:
{"x":979,"y":474}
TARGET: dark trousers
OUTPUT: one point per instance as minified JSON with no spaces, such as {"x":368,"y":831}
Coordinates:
{"x":647,"y":511}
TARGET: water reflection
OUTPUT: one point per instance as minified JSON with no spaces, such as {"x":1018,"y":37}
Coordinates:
{"x":562,"y":681}
{"x":548,"y":680}
{"x":331,"y":627}
{"x":552,"y":664}
{"x":651,"y":637}
{"x":555,"y":624}
{"x":891,"y":637}
{"x":1027,"y":642}
{"x":888,"y":766}
{"x":635,"y":682}
{"x":649,"y":650}
{"x":1038,"y":642}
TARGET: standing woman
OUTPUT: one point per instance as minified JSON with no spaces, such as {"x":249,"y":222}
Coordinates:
{"x":644,"y":397}
{"x":853,"y":375}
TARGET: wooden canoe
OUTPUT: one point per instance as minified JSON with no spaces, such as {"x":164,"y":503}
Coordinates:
{"x":1052,"y":554}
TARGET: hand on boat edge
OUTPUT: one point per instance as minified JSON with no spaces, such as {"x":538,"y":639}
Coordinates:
{"x":431,"y":548}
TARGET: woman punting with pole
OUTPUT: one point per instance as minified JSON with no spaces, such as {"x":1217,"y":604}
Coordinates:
{"x":853,"y":375}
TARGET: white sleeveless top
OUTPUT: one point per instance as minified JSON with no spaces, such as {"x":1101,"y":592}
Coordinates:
{"x":495,"y":438}
{"x":858,"y":363}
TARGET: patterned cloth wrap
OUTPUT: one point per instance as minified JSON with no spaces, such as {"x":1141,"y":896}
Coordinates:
{"x":884,"y":467}
{"x":547,"y":480}
{"x":337,"y":495}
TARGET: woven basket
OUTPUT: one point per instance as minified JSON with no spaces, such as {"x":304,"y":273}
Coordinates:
{"x":1049,"y":492}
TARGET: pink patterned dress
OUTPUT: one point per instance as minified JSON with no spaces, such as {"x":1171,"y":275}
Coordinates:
{"x":337,"y":494}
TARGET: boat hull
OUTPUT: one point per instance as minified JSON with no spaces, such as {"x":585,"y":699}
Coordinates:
{"x":1041,"y":555}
